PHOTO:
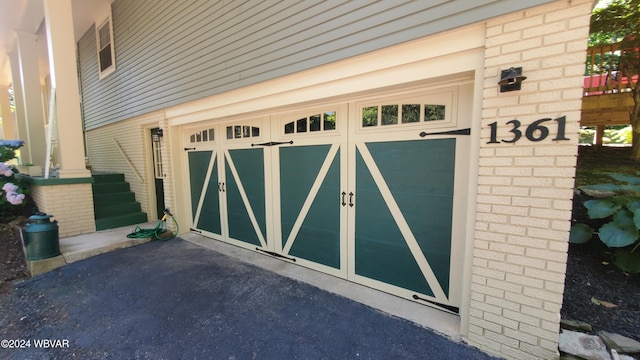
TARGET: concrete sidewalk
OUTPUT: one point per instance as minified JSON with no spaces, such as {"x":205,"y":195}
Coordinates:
{"x":175,"y":300}
{"x":80,"y":247}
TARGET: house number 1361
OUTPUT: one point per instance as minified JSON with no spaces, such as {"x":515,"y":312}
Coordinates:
{"x":534,"y":132}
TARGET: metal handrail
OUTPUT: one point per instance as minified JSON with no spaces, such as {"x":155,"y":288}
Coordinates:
{"x":126,"y":158}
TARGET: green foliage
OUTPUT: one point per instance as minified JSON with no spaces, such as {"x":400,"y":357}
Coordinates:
{"x":628,"y":260}
{"x":608,"y":60}
{"x":370,"y":116}
{"x":620,"y":232}
{"x":580,"y":233}
{"x":620,"y":205}
{"x":615,"y":22}
{"x":619,"y":136}
{"x":600,"y":209}
{"x":7,"y":153}
{"x":619,"y":22}
{"x":587,"y":135}
{"x":612,"y":135}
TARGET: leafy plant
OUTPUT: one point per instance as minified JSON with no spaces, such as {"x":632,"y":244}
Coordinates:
{"x":621,"y":135}
{"x":620,"y":204}
{"x":612,"y":135}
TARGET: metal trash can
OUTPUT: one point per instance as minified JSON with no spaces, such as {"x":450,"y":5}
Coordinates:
{"x":42,"y":240}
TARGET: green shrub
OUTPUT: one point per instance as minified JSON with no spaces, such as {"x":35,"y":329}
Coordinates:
{"x":587,"y":135}
{"x":620,"y":205}
{"x":619,"y":135}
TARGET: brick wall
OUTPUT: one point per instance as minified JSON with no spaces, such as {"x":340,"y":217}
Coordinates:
{"x":525,"y":187}
{"x":70,"y":204}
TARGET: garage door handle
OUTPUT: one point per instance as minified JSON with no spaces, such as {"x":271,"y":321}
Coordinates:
{"x":343,"y":195}
{"x":221,"y":186}
{"x":351,"y":199}
{"x":453,"y":309}
{"x":450,"y":132}
{"x":272,"y":143}
{"x":276,"y":254}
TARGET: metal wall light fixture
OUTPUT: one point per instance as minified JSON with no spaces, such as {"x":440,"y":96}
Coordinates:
{"x":511,"y":79}
{"x":156,"y":134}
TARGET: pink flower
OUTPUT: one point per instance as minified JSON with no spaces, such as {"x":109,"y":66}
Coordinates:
{"x":9,"y":188}
{"x":5,"y":170}
{"x":15,"y":198}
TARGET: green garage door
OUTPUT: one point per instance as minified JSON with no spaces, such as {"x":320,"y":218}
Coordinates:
{"x":404,"y":214}
{"x":245,"y":195}
{"x":371,"y":191}
{"x":227,"y":183}
{"x":205,"y":194}
{"x":309,"y":203}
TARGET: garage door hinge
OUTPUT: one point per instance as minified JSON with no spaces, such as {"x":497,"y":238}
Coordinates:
{"x":450,"y":132}
{"x":275,"y":254}
{"x":194,"y":230}
{"x":271,"y":143}
{"x":442,"y":306}
{"x":191,"y":148}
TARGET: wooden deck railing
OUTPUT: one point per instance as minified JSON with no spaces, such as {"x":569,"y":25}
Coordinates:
{"x":604,"y":69}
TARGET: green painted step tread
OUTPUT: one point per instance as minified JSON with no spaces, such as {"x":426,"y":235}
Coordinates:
{"x":113,"y":198}
{"x":111,"y":187}
{"x":106,"y":178}
{"x":116,"y":209}
{"x":120,"y":221}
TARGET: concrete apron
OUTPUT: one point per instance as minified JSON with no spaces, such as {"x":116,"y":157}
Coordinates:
{"x":439,"y":321}
{"x":80,"y":247}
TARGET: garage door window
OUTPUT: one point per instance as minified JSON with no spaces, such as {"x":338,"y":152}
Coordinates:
{"x":396,"y":114}
{"x":313,"y":123}
{"x":434,"y":112}
{"x":240,"y":131}
{"x":205,"y":135}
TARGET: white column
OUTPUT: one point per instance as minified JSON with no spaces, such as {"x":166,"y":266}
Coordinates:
{"x":64,"y":78}
{"x":18,"y":97}
{"x":32,"y":95}
{"x":8,"y":121}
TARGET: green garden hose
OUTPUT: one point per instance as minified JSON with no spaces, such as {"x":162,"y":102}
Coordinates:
{"x":159,"y":232}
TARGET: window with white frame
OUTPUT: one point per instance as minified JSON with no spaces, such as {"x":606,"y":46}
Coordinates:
{"x":106,"y":52}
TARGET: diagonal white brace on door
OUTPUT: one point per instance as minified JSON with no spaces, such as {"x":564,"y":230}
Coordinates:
{"x":205,"y":186}
{"x":311,"y":197}
{"x":403,"y":226}
{"x":245,"y":200}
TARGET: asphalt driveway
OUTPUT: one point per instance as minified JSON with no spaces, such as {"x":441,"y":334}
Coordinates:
{"x":176,"y":300}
